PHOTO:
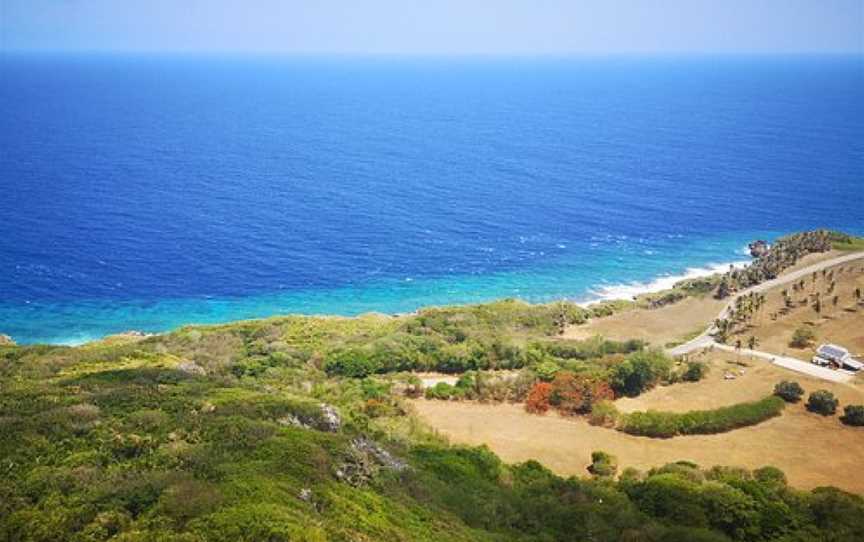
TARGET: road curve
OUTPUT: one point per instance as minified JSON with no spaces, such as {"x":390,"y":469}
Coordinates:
{"x":705,"y":339}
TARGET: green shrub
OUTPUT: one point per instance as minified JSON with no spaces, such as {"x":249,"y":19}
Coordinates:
{"x":639,"y":372}
{"x":853,"y":415}
{"x":700,"y":422}
{"x":603,"y":465}
{"x":695,"y":371}
{"x":790,"y":391}
{"x":822,"y":402}
{"x":603,"y":413}
{"x":547,"y":370}
{"x":441,"y":390}
{"x":353,"y":363}
{"x":802,"y":337}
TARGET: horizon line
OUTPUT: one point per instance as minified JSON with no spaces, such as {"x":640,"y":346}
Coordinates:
{"x":431,"y":54}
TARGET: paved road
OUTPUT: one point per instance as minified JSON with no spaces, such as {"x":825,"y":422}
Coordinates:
{"x":705,"y":339}
{"x":793,"y":364}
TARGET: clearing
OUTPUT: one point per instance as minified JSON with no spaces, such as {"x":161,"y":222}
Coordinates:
{"x":812,"y":450}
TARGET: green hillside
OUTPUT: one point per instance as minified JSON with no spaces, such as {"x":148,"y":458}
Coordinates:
{"x":297,"y":429}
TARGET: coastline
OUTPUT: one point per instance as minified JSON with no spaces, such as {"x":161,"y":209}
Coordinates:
{"x":168,"y":315}
{"x":629,"y":291}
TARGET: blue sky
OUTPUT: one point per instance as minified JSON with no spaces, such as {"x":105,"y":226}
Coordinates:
{"x":435,"y":26}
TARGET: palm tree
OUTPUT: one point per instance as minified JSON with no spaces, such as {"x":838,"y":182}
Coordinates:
{"x":724,"y":327}
{"x":752,"y":342}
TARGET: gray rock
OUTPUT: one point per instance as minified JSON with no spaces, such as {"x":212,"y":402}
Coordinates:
{"x":364,"y":461}
{"x":191,"y":368}
{"x":293,"y":421}
{"x":330,"y":420}
{"x":758,"y":248}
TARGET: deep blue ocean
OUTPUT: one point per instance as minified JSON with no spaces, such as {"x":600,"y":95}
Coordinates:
{"x":147,"y":192}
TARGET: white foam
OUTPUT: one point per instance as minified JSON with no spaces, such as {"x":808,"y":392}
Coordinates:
{"x":632,"y":289}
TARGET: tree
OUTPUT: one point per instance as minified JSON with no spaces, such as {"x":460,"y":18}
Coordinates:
{"x":603,"y":465}
{"x":802,"y":337}
{"x":639,"y":372}
{"x":695,"y":371}
{"x":576,"y":394}
{"x":752,"y":342}
{"x":538,"y":398}
{"x":853,"y":415}
{"x":790,"y":391}
{"x":724,"y":289}
{"x":822,"y":402}
{"x":723,"y":328}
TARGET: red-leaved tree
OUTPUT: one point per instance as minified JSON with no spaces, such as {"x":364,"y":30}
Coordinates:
{"x":538,"y":398}
{"x":576,"y":393}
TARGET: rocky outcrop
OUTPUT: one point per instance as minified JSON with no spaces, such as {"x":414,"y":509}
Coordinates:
{"x":6,"y":340}
{"x":758,"y":248}
{"x":784,"y":253}
{"x":364,"y":460}
{"x":326,"y":419}
{"x":330,"y":420}
{"x":191,"y":368}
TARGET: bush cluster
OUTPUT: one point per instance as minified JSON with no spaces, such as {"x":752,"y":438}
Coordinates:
{"x":853,"y":415}
{"x":570,"y":393}
{"x":670,"y":424}
{"x":640,"y":372}
{"x":822,"y":402}
{"x":802,"y":337}
{"x":791,"y":392}
{"x":603,"y":465}
{"x":695,"y":371}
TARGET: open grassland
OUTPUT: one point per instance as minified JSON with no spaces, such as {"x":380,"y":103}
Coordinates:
{"x":798,"y":441}
{"x":657,"y":327}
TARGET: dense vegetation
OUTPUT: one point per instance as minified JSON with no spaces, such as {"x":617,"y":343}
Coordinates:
{"x":701,"y":422}
{"x":783,"y":254}
{"x":164,"y":440}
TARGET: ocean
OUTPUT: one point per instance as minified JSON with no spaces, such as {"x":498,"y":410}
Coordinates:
{"x":150,"y":191}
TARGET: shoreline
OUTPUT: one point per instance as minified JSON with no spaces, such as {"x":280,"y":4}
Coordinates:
{"x":598,"y":294}
{"x":631,"y":290}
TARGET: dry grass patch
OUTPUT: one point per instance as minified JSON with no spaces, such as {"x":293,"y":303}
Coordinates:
{"x":654,"y":326}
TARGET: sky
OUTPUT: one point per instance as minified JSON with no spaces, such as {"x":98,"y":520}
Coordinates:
{"x":435,"y":26}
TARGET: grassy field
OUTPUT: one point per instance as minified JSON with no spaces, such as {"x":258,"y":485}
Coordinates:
{"x":798,"y":442}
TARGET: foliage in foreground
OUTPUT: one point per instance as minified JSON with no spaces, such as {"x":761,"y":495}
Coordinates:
{"x":226,"y":433}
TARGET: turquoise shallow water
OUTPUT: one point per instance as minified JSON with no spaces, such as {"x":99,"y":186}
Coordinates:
{"x":146,"y":192}
{"x":621,"y":274}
